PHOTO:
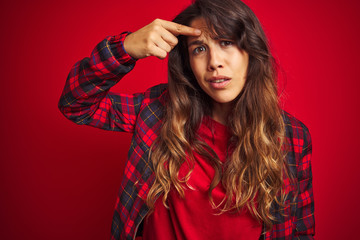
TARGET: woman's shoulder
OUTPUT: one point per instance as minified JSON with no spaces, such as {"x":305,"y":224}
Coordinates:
{"x":293,"y":123}
{"x":156,"y":91}
{"x":297,"y":133}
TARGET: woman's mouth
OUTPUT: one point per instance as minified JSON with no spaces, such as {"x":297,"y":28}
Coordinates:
{"x":219,"y":82}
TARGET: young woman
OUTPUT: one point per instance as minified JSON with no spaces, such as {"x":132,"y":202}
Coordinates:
{"x":212,"y":154}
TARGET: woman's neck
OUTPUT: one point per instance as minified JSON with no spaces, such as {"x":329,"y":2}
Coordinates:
{"x":220,"y":112}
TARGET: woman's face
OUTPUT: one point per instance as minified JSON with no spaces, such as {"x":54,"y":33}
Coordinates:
{"x":219,"y":66}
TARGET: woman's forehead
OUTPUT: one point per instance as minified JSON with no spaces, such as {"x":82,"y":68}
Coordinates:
{"x":206,"y":32}
{"x":201,"y":24}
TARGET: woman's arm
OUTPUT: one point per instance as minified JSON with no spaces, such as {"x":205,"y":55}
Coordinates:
{"x":86,"y":98}
{"x":305,"y":224}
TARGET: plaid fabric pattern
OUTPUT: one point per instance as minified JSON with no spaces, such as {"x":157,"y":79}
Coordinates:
{"x":86,"y":99}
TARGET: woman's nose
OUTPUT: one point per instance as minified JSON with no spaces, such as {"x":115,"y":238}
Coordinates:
{"x":215,"y":60}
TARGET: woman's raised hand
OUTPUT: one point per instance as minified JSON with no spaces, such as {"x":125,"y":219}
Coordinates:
{"x":156,"y":39}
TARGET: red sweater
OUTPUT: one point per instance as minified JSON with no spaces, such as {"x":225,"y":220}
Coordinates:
{"x":193,"y":217}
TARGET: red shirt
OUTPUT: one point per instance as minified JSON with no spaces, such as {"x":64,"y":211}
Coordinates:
{"x":193,"y":217}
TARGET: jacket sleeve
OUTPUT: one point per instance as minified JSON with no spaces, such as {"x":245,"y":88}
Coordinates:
{"x":305,"y":221}
{"x":86,"y":98}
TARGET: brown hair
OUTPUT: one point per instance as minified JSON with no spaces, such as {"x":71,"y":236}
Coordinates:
{"x":253,"y":173}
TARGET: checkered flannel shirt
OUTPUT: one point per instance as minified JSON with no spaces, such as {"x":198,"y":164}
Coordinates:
{"x":86,"y":99}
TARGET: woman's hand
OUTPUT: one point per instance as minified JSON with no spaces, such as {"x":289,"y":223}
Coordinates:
{"x":156,"y":39}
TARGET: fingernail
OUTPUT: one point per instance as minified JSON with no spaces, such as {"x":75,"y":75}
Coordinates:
{"x":197,"y":31}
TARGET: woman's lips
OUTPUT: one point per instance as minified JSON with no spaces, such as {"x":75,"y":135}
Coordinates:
{"x":219,"y":82}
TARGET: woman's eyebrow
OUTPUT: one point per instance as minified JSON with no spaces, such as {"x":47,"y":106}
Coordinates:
{"x":195,"y":42}
{"x":222,"y":37}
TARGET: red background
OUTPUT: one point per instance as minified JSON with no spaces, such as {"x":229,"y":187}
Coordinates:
{"x":60,"y":181}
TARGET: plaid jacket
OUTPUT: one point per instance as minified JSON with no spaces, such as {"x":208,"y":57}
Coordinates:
{"x":86,"y":99}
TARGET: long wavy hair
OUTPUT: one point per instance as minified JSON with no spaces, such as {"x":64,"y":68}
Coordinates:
{"x":252,"y":175}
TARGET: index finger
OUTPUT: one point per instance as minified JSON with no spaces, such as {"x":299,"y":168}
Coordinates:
{"x":178,"y":29}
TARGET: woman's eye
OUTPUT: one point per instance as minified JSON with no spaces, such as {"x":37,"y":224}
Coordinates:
{"x":198,"y":50}
{"x":226,"y":43}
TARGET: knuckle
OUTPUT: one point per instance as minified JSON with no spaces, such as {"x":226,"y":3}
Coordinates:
{"x":151,"y":37}
{"x":175,"y":41}
{"x":168,"y":48}
{"x":157,"y":21}
{"x":156,"y":27}
{"x":163,"y":55}
{"x":148,"y":45}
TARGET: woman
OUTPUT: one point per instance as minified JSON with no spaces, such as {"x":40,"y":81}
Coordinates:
{"x":212,"y":154}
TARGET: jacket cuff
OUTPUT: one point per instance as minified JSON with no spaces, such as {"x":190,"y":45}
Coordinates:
{"x":117,"y":48}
